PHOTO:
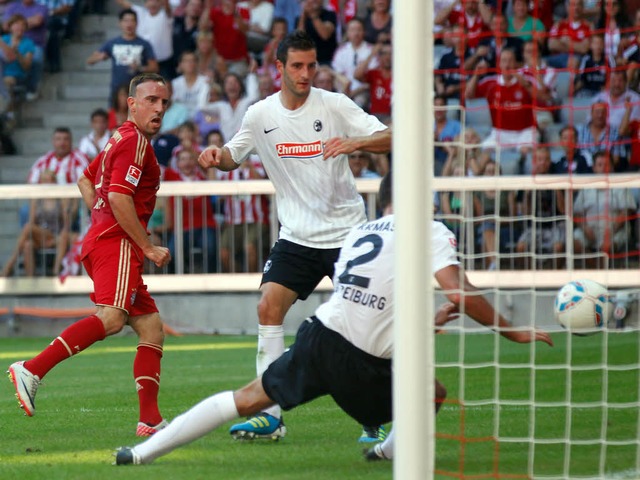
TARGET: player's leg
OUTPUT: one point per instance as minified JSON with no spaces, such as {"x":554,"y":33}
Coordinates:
{"x":201,"y":419}
{"x":26,"y":375}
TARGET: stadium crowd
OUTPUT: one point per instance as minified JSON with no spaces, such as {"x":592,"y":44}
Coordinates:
{"x":543,"y":87}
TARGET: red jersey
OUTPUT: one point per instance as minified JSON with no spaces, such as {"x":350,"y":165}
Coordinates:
{"x":474,"y":26}
{"x":196,"y":211}
{"x":380,"y":89}
{"x":510,"y":104}
{"x":127,"y":165}
{"x":241,"y":209}
{"x":576,"y":31}
{"x":230,"y":43}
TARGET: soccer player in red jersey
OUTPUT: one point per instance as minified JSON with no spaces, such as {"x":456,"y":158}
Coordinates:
{"x":119,"y":187}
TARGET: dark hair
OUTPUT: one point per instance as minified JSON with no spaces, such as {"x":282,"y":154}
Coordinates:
{"x":280,"y":20}
{"x":358,"y":20}
{"x":99,"y":112}
{"x":189,"y":125}
{"x":66,"y":130}
{"x":143,"y":78}
{"x":243,"y":88}
{"x":385,"y":192}
{"x":16,"y":17}
{"x":215,"y":131}
{"x":296,"y":40}
{"x":569,"y":127}
{"x":127,"y":11}
{"x":114,"y":99}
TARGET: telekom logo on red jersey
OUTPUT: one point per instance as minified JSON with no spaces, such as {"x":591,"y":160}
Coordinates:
{"x":299,"y":150}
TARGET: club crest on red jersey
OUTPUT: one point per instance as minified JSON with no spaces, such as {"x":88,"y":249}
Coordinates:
{"x":299,"y":150}
{"x":133,"y":175}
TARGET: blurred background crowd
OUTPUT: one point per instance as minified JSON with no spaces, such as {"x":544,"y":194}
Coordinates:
{"x":521,"y":88}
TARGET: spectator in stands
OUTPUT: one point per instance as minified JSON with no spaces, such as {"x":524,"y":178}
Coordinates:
{"x":185,"y":29}
{"x":614,"y":24}
{"x":57,"y":22}
{"x":15,"y":73}
{"x":445,"y":129}
{"x":189,"y":138}
{"x":155,"y":20}
{"x":236,"y":101}
{"x":360,"y":164}
{"x":574,"y":160}
{"x":198,"y":222}
{"x":278,"y":32}
{"x":265,"y":86}
{"x":208,"y":60}
{"x":208,"y":117}
{"x":594,"y":68}
{"x":510,"y":97}
{"x":569,"y":38}
{"x":260,"y":18}
{"x":118,"y":112}
{"x":490,"y":47}
{"x":347,"y":57}
{"x":545,"y":77}
{"x":498,"y":204}
{"x":378,"y":22}
{"x":598,"y":135}
{"x":617,"y":97}
{"x":475,"y":16}
{"x":454,"y":65}
{"x":47,"y":227}
{"x":379,"y":80}
{"x":320,"y":24}
{"x":602,"y":216}
{"x":94,"y":141}
{"x":36,"y":15}
{"x":190,"y":88}
{"x":468,"y":154}
{"x":331,"y":81}
{"x":67,"y":163}
{"x":523,"y":25}
{"x":245,"y":235}
{"x":543,"y":207}
{"x":129,"y":54}
{"x":289,"y":10}
{"x":229,"y":25}
{"x":456,"y":206}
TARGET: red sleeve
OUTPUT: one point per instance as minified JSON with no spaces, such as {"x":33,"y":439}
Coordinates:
{"x":483,"y":87}
{"x":127,"y":163}
{"x":92,"y":169}
{"x":170,"y":175}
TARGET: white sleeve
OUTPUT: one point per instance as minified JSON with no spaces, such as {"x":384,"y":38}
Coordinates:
{"x":242,"y":144}
{"x":443,"y":246}
{"x":356,"y":122}
{"x":203,"y":94}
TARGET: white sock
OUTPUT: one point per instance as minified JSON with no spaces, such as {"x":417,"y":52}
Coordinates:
{"x":387,"y":446}
{"x":196,"y":422}
{"x":270,"y":347}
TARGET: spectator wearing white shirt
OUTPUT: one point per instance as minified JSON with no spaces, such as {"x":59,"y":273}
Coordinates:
{"x":94,"y":141}
{"x":190,"y":89}
{"x":617,"y":97}
{"x":260,"y":18}
{"x":347,"y":57}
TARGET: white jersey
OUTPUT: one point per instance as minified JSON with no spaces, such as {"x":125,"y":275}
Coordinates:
{"x":361,"y":307}
{"x":317,"y":199}
{"x":193,"y":97}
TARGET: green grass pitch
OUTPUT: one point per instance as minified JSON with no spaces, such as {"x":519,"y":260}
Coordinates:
{"x":88,"y":406}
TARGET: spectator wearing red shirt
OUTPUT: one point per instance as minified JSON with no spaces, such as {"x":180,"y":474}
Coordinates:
{"x":230,"y":25}
{"x":474,"y":16}
{"x":379,"y":80}
{"x":510,"y":96}
{"x":569,"y":38}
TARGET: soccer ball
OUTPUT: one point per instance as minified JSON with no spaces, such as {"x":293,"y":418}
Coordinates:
{"x":582,"y":307}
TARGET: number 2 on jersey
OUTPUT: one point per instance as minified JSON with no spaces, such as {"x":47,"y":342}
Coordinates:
{"x":348,"y":278}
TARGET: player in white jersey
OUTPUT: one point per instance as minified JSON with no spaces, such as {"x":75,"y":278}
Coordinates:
{"x":303,"y":136}
{"x":345,"y":349}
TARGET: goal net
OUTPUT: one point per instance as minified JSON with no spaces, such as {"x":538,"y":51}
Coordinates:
{"x":533,"y":209}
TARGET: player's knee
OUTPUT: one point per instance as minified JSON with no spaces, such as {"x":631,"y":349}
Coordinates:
{"x":268,"y":313}
{"x":113,"y":320}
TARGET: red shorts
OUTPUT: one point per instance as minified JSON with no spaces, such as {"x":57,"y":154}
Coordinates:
{"x":115,"y":267}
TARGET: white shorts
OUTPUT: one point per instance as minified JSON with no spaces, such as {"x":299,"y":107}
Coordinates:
{"x":511,"y":138}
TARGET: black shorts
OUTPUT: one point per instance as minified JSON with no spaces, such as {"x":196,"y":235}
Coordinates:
{"x":322,"y":362}
{"x":299,"y":268}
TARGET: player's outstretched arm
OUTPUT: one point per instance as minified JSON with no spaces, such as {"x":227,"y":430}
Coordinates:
{"x":219,"y":158}
{"x":472,"y":303}
{"x":379,"y":142}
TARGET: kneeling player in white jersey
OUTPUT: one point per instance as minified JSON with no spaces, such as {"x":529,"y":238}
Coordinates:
{"x":344,"y":350}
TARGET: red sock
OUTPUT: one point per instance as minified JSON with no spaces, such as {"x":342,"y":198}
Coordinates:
{"x":146,"y":371}
{"x":72,"y":340}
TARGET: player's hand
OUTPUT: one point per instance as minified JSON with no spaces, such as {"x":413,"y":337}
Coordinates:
{"x":160,"y":256}
{"x":210,"y":157}
{"x":446,"y":313}
{"x":337,"y":146}
{"x":529,"y":336}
